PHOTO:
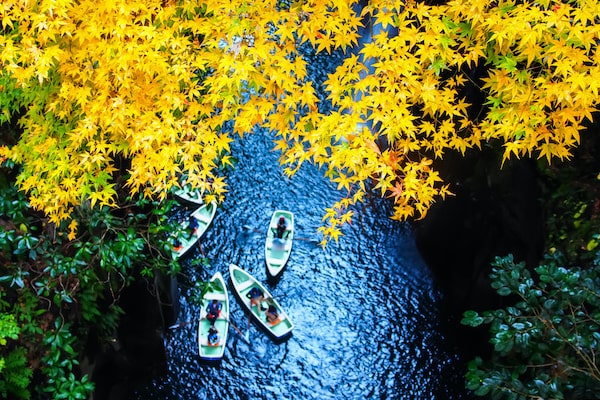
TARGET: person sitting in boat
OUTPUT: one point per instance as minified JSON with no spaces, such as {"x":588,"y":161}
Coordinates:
{"x":213,"y":336}
{"x":281,"y":228}
{"x":213,"y":310}
{"x":193,"y":225}
{"x":256,"y":297}
{"x":272,"y":314}
{"x":177,"y":244}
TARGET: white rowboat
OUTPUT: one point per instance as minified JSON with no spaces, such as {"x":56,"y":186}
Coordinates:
{"x":193,"y":229}
{"x":217,"y":291}
{"x":278,"y":250}
{"x":242,"y":283}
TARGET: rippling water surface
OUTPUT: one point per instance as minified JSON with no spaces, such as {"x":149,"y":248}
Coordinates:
{"x":366,"y":311}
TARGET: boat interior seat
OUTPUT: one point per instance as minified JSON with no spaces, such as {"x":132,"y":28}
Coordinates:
{"x":202,"y":218}
{"x":215,"y":296}
{"x":204,"y":342}
{"x":276,"y":244}
{"x":244,"y":285}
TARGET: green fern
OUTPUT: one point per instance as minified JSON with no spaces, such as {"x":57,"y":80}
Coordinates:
{"x":14,"y":372}
{"x":15,"y":375}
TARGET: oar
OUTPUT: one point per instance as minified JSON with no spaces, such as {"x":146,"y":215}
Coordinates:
{"x":239,"y":331}
{"x":179,"y":325}
{"x":312,"y":240}
{"x":250,"y":228}
{"x":247,"y":335}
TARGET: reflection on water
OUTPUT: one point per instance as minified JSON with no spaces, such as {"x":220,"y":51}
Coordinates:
{"x":366,"y":311}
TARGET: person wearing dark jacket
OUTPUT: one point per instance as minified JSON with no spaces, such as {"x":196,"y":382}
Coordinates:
{"x":213,"y":310}
{"x":281,"y":228}
{"x":256,"y":297}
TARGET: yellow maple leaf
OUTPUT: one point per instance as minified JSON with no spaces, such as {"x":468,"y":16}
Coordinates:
{"x":72,"y":230}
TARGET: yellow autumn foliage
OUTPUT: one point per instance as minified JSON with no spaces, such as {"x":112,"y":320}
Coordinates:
{"x":146,"y":86}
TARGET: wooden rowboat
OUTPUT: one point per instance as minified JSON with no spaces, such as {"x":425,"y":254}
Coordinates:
{"x":278,"y":250}
{"x":217,"y":291}
{"x":242,"y":283}
{"x":193,"y":229}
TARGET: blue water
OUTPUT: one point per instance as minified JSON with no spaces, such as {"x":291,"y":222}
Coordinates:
{"x":366,"y":310}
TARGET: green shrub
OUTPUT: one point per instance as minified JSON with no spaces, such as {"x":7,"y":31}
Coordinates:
{"x":546,"y":344}
{"x":54,"y":287}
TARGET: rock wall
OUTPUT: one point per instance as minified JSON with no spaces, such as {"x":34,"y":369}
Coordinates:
{"x":494,"y":212}
{"x":137,"y":353}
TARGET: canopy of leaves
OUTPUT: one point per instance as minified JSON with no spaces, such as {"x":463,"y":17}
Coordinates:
{"x":540,"y":81}
{"x":154,"y":81}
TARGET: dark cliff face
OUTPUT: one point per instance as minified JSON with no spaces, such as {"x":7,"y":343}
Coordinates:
{"x":495,"y":211}
{"x":138,"y":352}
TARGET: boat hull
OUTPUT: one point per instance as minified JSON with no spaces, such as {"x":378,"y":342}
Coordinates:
{"x":218,"y":291}
{"x":188,"y":196}
{"x":242,"y":283}
{"x":203,"y":217}
{"x":277,"y":251}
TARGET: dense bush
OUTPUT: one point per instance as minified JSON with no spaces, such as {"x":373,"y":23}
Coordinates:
{"x":53,"y":288}
{"x":546,"y":345}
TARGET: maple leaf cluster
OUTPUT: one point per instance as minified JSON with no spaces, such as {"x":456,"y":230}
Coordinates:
{"x":154,"y":82}
{"x":401,"y":100}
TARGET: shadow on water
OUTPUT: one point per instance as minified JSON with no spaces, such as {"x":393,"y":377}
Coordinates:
{"x":366,"y":310}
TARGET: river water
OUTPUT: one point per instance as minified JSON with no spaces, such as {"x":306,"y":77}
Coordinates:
{"x":367,"y":313}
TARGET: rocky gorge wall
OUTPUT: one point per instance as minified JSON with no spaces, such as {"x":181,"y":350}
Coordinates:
{"x":495,"y":211}
{"x":137,"y":353}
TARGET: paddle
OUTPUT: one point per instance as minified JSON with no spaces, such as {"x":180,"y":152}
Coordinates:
{"x":247,"y":335}
{"x":239,"y":331}
{"x":312,"y":240}
{"x":179,"y":325}
{"x":250,"y":228}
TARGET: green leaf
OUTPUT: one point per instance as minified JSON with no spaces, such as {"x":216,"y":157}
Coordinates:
{"x":504,"y":291}
{"x":471,"y":318}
